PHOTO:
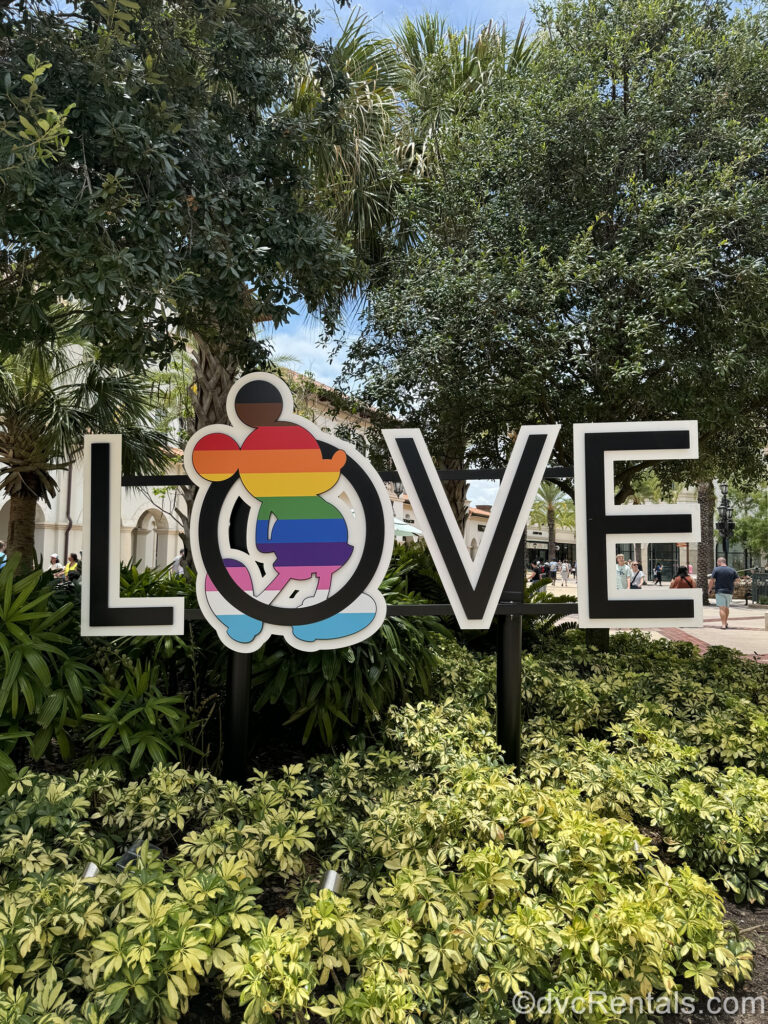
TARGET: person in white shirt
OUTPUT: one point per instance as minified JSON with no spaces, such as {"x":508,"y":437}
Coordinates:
{"x":565,"y":572}
{"x":637,"y":579}
{"x":623,"y":572}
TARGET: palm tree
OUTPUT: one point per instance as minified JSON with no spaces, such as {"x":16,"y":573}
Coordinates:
{"x":444,"y":72}
{"x":554,"y":508}
{"x":396,"y":95}
{"x":355,"y":165}
{"x":50,"y":397}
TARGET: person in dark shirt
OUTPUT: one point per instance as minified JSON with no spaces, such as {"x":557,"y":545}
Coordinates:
{"x":723,"y":577}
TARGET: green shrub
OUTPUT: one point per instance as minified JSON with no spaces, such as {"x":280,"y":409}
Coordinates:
{"x":134,"y":723}
{"x":659,"y":733}
{"x":464,"y":883}
{"x":43,"y":682}
{"x":335,"y":693}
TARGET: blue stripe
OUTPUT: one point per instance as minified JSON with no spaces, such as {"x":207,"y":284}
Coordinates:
{"x":296,"y":531}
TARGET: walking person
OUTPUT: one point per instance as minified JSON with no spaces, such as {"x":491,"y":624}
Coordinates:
{"x":565,"y":572}
{"x":682,"y":580}
{"x":657,"y":575}
{"x":637,"y":579}
{"x":553,"y":565}
{"x":723,"y":578}
{"x":177,"y":565}
{"x":623,"y":573}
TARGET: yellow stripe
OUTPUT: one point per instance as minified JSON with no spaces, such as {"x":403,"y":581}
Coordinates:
{"x":288,"y":485}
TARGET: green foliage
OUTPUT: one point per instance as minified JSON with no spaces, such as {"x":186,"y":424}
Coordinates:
{"x":658,"y":732}
{"x":43,"y":683}
{"x":751,"y":522}
{"x":597,"y":228}
{"x":133,"y":701}
{"x":183,"y":200}
{"x":463,"y":884}
{"x":51,"y":398}
{"x":30,"y":131}
{"x":133,"y":718}
{"x":74,"y":699}
{"x":338,"y":692}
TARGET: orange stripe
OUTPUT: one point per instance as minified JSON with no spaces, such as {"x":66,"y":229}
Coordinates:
{"x":286,"y":461}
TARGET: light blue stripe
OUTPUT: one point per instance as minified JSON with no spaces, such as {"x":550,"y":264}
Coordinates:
{"x":335,"y":627}
{"x":242,"y":628}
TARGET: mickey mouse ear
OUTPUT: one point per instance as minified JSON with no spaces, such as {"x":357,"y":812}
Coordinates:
{"x":258,"y":403}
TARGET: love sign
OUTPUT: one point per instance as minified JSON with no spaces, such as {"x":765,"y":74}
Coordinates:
{"x":292,"y":529}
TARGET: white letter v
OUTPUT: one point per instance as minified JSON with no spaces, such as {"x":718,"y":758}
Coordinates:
{"x":473,"y":587}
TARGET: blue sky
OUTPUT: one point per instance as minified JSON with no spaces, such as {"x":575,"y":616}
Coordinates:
{"x":458,"y":12}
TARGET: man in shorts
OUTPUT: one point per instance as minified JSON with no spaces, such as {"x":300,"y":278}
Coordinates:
{"x":723,"y":577}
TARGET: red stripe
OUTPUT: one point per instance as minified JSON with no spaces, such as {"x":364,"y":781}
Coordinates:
{"x":286,"y":436}
{"x":216,"y":442}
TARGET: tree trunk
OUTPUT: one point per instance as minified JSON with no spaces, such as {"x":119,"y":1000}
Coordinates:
{"x":21,"y":531}
{"x":455,"y":490}
{"x":214,"y":376}
{"x":705,"y":555}
{"x":551,"y":532}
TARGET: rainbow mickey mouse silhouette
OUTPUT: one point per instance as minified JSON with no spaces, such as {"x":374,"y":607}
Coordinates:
{"x":309,"y":571}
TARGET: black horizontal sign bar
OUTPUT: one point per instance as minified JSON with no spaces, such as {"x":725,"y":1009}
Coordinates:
{"x":394,"y":611}
{"x":555,"y":473}
{"x":536,"y":608}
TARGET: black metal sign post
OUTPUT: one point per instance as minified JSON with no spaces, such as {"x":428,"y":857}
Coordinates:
{"x":509,"y":653}
{"x":509,"y":666}
{"x":237,"y":713}
{"x":509,"y":686}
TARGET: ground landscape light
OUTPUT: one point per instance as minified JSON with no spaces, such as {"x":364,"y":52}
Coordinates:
{"x":332,"y":880}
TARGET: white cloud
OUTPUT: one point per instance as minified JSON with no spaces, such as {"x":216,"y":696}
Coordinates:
{"x":299,"y":340}
{"x":483,"y":492}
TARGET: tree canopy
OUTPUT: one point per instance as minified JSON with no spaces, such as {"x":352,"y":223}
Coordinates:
{"x":594,"y":246}
{"x":171,"y":187}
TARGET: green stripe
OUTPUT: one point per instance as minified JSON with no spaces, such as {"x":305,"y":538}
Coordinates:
{"x":298,"y":508}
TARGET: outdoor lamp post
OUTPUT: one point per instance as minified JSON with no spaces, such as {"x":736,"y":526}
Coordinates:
{"x":725,"y":524}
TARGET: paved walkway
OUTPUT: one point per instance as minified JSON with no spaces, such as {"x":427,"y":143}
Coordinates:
{"x":746,"y":631}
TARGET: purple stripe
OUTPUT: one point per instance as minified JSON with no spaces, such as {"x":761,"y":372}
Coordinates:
{"x":336,"y":553}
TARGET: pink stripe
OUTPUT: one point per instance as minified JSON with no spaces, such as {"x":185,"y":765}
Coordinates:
{"x":239,"y":574}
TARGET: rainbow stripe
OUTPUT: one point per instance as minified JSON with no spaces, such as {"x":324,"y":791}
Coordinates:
{"x":283,"y":467}
{"x":309,"y":535}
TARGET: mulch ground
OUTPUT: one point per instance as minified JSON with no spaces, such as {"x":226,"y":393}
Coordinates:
{"x":747,"y":1004}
